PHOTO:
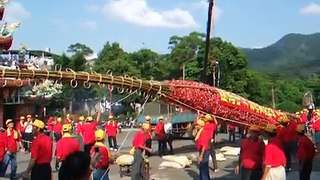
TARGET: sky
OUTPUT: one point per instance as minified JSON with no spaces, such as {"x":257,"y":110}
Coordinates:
{"x":137,"y":24}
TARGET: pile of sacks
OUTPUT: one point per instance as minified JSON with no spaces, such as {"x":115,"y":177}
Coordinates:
{"x":177,"y":162}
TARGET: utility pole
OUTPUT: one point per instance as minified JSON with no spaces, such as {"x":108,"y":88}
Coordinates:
{"x":207,"y":49}
{"x":183,"y":71}
{"x":273,"y":100}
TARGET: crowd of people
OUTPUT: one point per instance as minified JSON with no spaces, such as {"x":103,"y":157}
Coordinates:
{"x":80,"y":151}
{"x":265,"y":153}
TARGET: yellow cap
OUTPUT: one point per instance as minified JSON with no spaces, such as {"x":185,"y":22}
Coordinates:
{"x":9,"y":121}
{"x":300,"y":128}
{"x":28,"y":116}
{"x":89,"y":118}
{"x":148,"y":117}
{"x":100,"y":134}
{"x":145,"y":126}
{"x":298,"y":113}
{"x":110,"y":117}
{"x":38,"y":123}
{"x":254,"y":128}
{"x":22,"y":117}
{"x":271,"y":128}
{"x":66,"y":128}
{"x":200,"y":122}
{"x":160,"y":117}
{"x":208,"y":118}
{"x":59,"y":119}
{"x":81,"y":118}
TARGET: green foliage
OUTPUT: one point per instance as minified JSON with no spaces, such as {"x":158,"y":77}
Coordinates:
{"x":80,"y":48}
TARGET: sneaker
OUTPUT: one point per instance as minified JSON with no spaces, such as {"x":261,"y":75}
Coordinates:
{"x":115,"y":150}
{"x":111,"y":149}
{"x":216,"y":170}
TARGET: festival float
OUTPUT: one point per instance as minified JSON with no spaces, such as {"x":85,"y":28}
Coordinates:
{"x":198,"y":97}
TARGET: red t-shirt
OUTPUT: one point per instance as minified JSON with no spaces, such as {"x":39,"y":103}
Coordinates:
{"x":50,"y":123}
{"x":306,"y":150}
{"x":87,"y":131}
{"x":284,"y":134}
{"x":111,"y":128}
{"x":20,"y":126}
{"x":274,"y":154}
{"x":78,"y":128}
{"x":204,"y":140}
{"x":57,"y":128}
{"x":103,"y":162}
{"x":67,"y":121}
{"x":12,"y":139}
{"x":231,"y":127}
{"x":139,"y":139}
{"x":149,"y":134}
{"x":252,"y":153}
{"x":316,"y":125}
{"x":3,"y":145}
{"x":293,"y":135}
{"x":211,"y":128}
{"x":66,"y":146}
{"x":159,"y":131}
{"x":41,"y":149}
{"x":303,"y":117}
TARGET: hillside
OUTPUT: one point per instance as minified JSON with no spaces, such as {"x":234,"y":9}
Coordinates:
{"x":293,"y":55}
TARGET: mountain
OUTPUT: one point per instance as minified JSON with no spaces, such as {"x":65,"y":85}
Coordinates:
{"x":293,"y":54}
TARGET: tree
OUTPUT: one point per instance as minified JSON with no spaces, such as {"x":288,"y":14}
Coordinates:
{"x":80,"y":48}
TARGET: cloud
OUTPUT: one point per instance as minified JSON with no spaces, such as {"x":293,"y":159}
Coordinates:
{"x":140,"y":13}
{"x":203,"y":5}
{"x":312,"y":8}
{"x":15,"y":12}
{"x":90,"y":25}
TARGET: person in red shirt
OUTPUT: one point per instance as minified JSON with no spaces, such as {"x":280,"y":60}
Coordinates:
{"x":211,"y":126}
{"x":203,"y":146}
{"x":111,"y":127}
{"x":101,"y":156}
{"x":41,"y":154}
{"x":79,"y":124}
{"x":251,"y":156}
{"x":66,"y":145}
{"x":57,"y":129}
{"x":160,"y":135}
{"x":3,"y":144}
{"x":284,"y":134}
{"x":139,"y":145}
{"x":315,"y":125}
{"x":87,"y":132}
{"x":148,"y":136}
{"x":50,"y":124}
{"x":305,"y":153}
{"x":12,"y":141}
{"x":21,"y":126}
{"x":232,"y":133}
{"x":274,"y":156}
{"x":68,"y":119}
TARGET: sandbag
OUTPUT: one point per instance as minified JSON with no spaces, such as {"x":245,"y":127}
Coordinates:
{"x":168,"y":164}
{"x":233,"y":151}
{"x":226,"y":148}
{"x":220,"y":157}
{"x":125,"y":159}
{"x":182,"y":160}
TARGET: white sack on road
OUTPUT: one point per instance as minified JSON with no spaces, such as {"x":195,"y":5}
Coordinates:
{"x":182,"y":160}
{"x":168,"y":164}
{"x":125,"y":159}
{"x":220,"y":157}
{"x":230,"y":151}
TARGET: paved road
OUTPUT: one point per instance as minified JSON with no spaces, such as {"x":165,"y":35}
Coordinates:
{"x":185,"y":147}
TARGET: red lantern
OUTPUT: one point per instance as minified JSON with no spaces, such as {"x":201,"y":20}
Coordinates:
{"x":5,"y":43}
